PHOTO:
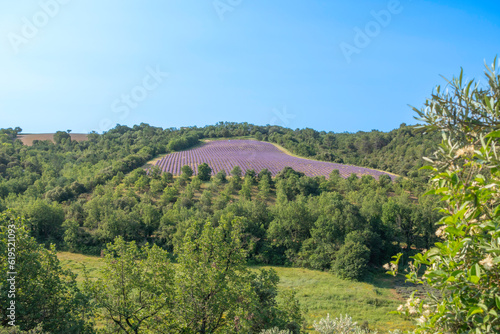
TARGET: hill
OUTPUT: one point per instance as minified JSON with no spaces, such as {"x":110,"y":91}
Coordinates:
{"x":224,"y":155}
{"x":82,"y":195}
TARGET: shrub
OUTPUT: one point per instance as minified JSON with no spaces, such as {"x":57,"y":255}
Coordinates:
{"x":221,"y":176}
{"x":351,"y":261}
{"x":342,"y":325}
{"x":204,"y":172}
{"x":463,"y":268}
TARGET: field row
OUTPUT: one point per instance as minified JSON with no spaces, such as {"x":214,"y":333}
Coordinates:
{"x":250,"y":154}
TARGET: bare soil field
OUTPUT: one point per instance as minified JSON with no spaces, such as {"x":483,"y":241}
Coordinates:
{"x":28,"y":138}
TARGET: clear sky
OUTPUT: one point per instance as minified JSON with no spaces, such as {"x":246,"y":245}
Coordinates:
{"x":325,"y":64}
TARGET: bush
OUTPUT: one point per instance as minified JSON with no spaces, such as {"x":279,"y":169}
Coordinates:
{"x":204,"y":172}
{"x":187,"y":171}
{"x":46,"y":296}
{"x":221,"y":176}
{"x":340,"y":325}
{"x":276,"y":330}
{"x":464,"y":266}
{"x":351,"y":261}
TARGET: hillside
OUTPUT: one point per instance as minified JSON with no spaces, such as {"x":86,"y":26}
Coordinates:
{"x":83,"y":196}
{"x":253,"y":155}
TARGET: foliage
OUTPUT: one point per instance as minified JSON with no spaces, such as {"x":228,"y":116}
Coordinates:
{"x":83,"y":195}
{"x":187,"y":171}
{"x":351,"y":261}
{"x":204,"y":172}
{"x":341,"y":325}
{"x":45,"y":295}
{"x":211,"y":280}
{"x":317,"y":291}
{"x":136,"y":289}
{"x":463,"y":267}
{"x":221,"y":176}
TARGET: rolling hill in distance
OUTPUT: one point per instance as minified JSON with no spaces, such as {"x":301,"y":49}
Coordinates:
{"x":283,"y":208}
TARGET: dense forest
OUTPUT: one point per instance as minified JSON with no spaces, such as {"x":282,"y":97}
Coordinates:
{"x":96,"y":197}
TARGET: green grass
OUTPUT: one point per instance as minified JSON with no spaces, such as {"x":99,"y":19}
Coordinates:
{"x":319,"y":293}
{"x":76,"y":263}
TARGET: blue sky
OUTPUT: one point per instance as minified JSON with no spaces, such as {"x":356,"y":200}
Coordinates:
{"x":87,"y":65}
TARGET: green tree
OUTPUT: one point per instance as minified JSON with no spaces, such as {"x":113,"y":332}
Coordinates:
{"x":187,"y":171}
{"x":212,"y":280}
{"x":135,"y":292}
{"x":221,"y":176}
{"x":71,"y":235}
{"x":236,"y":172}
{"x":60,"y":137}
{"x":264,"y":189}
{"x":45,"y":220}
{"x":204,"y":172}
{"x":246,"y":189}
{"x":250,"y":173}
{"x":265,"y":173}
{"x":351,"y":261}
{"x":291,"y":226}
{"x":167,"y":177}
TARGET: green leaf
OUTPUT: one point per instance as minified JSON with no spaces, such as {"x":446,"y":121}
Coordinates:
{"x":474,"y":279}
{"x":474,"y":310}
{"x":494,"y":134}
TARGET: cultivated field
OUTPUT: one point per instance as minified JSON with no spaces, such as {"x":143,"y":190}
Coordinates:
{"x":256,"y":155}
{"x":319,"y":293}
{"x":28,"y":139}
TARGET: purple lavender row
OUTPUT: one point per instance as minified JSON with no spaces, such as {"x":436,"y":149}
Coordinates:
{"x":250,"y":154}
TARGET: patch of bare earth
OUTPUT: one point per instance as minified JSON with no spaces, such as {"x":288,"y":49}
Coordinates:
{"x":28,"y":139}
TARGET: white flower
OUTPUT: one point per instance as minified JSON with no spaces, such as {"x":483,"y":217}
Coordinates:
{"x":386,"y":266}
{"x":421,"y":320}
{"x":464,"y":151}
{"x":440,"y":231}
{"x":487,"y":262}
{"x":400,"y":308}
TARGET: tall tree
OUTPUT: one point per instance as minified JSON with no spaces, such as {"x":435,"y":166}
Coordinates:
{"x":212,"y":280}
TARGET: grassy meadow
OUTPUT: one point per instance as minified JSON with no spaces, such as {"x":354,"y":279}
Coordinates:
{"x":319,"y":293}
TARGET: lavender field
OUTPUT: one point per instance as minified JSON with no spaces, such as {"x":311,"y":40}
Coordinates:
{"x":256,"y":155}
